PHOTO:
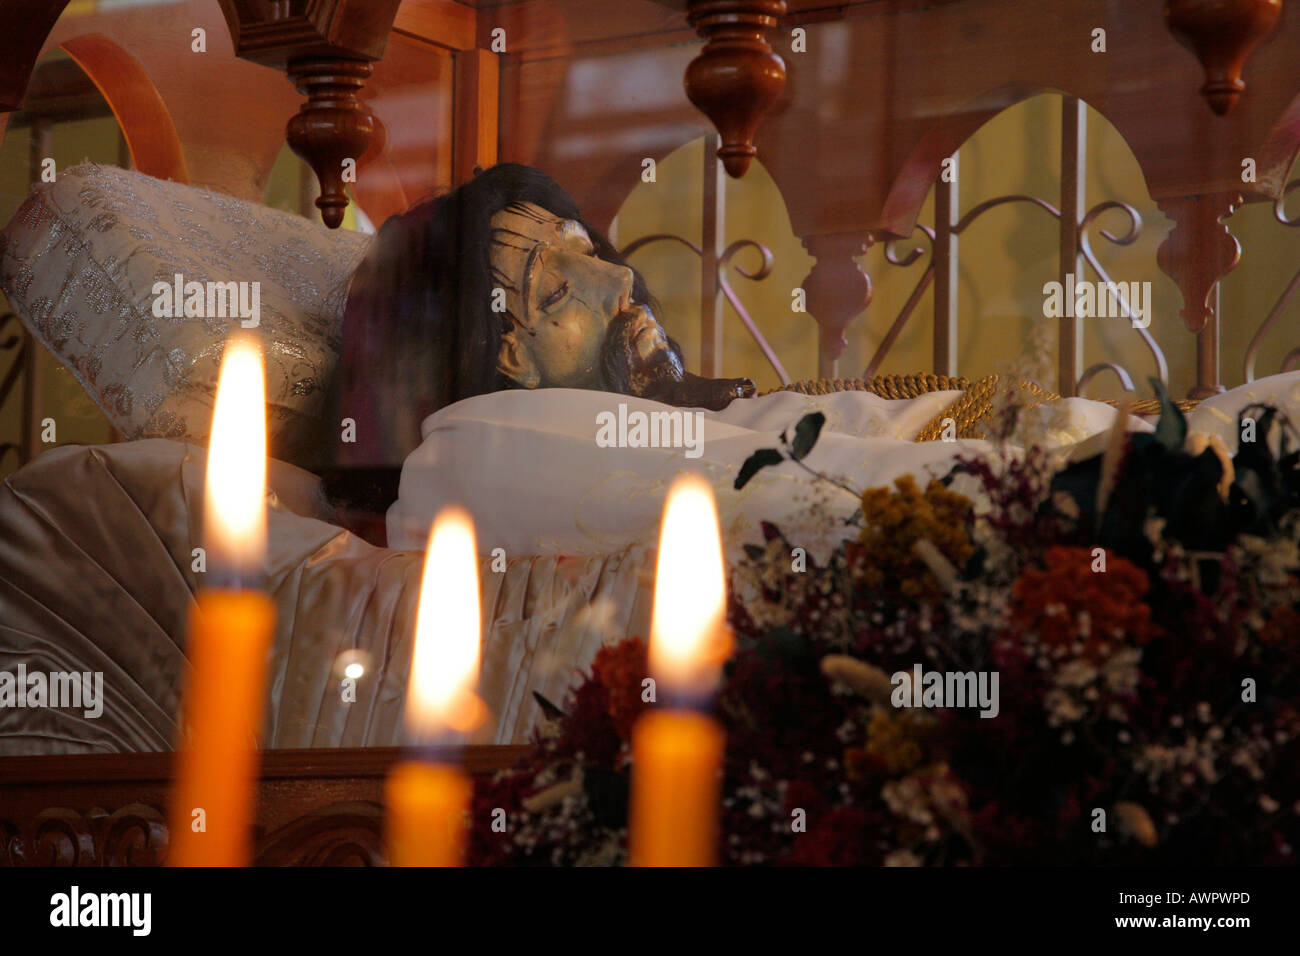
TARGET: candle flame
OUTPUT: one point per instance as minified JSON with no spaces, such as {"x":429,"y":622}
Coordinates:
{"x":235,"y":494}
{"x":688,"y":636}
{"x":445,"y":662}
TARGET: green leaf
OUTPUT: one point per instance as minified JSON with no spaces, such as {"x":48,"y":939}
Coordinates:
{"x":1171,"y":430}
{"x":550,"y":710}
{"x":755,"y":552}
{"x":756,"y":463}
{"x":805,"y":434}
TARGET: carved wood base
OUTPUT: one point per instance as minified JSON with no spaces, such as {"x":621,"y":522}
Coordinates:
{"x":315,"y":807}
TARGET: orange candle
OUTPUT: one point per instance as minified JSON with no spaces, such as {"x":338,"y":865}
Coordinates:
{"x":215,"y":795}
{"x":230,"y":633}
{"x":677,"y":751}
{"x":427,"y":800}
{"x":426,"y":809}
{"x":676,"y":756}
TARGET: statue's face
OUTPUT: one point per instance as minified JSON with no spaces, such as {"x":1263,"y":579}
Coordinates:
{"x":560,"y":298}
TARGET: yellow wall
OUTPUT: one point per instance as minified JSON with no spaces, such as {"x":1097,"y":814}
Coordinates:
{"x":1006,"y":256}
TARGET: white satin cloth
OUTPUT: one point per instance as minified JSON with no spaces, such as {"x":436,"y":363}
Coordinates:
{"x":528,"y":466}
{"x":1220,"y":414}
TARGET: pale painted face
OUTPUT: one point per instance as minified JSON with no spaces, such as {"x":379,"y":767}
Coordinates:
{"x":560,"y":298}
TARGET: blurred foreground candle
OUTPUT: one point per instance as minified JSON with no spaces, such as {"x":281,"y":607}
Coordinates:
{"x":230,"y":632}
{"x":427,"y":798}
{"x":677,"y":751}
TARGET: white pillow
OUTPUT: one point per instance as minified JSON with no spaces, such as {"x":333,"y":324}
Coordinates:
{"x":79,"y":261}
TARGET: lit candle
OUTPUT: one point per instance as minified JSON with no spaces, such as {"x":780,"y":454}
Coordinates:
{"x":677,"y":750}
{"x":230,"y":632}
{"x":427,"y":798}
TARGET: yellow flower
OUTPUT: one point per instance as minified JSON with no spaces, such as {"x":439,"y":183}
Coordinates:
{"x":894,"y":741}
{"x":895,"y":519}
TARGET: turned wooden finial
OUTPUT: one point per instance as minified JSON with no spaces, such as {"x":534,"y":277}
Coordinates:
{"x":837,"y":290}
{"x":736,"y":78}
{"x":333,"y":126}
{"x":326,"y":48}
{"x":1221,"y":33}
{"x":1198,"y":252}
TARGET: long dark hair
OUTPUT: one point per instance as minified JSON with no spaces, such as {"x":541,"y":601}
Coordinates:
{"x":419,"y":332}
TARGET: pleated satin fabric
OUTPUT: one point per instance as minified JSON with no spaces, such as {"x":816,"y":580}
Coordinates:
{"x":96,"y":558}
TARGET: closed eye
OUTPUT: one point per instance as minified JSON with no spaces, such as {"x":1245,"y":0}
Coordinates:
{"x":556,"y":297}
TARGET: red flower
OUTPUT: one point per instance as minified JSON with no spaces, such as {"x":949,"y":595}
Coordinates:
{"x":621,"y":668}
{"x":1069,"y":603}
{"x":1283,"y":625}
{"x":841,"y":837}
{"x":587,"y":728}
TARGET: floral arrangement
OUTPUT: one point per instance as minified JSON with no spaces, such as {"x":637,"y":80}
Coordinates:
{"x":1139,"y":606}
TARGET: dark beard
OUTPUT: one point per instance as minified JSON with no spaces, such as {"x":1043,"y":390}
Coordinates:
{"x":626,"y":372}
{"x":661,"y":377}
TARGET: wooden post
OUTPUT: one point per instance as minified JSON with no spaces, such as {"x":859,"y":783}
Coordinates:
{"x":477,"y":103}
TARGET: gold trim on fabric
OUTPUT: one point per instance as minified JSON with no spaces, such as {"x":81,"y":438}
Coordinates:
{"x":968,"y":412}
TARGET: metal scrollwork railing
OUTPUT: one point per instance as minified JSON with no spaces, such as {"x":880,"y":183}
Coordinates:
{"x":1089,"y":219}
{"x":1077,"y":256}
{"x":1085,"y":247}
{"x":1093,"y":371}
{"x":724,"y":286}
{"x":918,"y":291}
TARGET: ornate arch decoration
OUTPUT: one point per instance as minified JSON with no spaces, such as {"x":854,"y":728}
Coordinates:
{"x":140,"y":111}
{"x":919,"y":171}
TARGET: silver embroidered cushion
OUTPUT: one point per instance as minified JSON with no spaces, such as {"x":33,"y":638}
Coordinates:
{"x":81,"y":261}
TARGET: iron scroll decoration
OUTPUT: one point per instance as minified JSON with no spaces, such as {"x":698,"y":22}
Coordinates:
{"x":1126,"y":238}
